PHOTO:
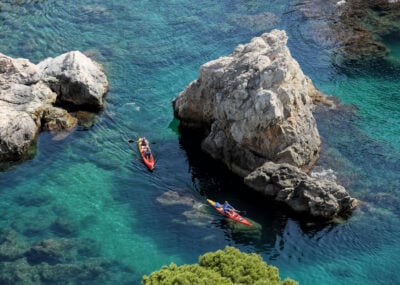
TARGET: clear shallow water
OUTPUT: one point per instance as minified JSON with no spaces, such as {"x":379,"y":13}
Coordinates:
{"x":92,"y":185}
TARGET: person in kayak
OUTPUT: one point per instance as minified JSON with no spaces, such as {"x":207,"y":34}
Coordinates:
{"x":228,"y":209}
{"x":147,"y":153}
{"x":144,"y":142}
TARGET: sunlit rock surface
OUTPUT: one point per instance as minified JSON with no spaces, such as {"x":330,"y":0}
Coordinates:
{"x":29,"y":93}
{"x":255,"y":107}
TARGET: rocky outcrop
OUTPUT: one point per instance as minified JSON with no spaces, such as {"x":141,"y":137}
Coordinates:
{"x":255,"y":107}
{"x":286,"y":183}
{"x":353,"y":29}
{"x":75,"y":78}
{"x":256,"y":104}
{"x":29,"y":94}
{"x":362,"y":25}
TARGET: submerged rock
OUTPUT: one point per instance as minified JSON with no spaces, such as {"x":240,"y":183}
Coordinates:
{"x":29,"y":92}
{"x":51,"y":251}
{"x":255,"y":106}
{"x":11,"y":246}
{"x":175,"y":198}
{"x":353,"y":29}
{"x":361,"y":26}
{"x":51,"y":261}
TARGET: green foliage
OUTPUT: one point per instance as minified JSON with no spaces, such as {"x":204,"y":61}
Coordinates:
{"x":184,"y":275}
{"x":224,"y":267}
{"x":289,"y":281}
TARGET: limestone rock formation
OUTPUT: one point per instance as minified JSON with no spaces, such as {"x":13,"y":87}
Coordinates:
{"x":256,"y":104}
{"x":286,"y":183}
{"x":28,"y":93}
{"x":255,"y":107}
{"x":75,"y":78}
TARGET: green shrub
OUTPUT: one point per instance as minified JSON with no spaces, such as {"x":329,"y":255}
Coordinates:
{"x":223,"y":267}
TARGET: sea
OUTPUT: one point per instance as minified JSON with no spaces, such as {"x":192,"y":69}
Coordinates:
{"x":85,"y":200}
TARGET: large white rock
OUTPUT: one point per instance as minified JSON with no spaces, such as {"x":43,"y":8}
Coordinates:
{"x":28,"y":93}
{"x":256,"y":105}
{"x":75,"y":78}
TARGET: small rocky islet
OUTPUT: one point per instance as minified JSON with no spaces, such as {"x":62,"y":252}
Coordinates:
{"x":45,"y":97}
{"x":255,"y":107}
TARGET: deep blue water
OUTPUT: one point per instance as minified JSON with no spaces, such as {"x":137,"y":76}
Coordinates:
{"x":91,"y":187}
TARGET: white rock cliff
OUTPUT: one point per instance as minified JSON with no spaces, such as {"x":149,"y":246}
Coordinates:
{"x":256,"y":103}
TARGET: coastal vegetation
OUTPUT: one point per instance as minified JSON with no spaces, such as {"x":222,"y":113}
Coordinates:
{"x":225,"y":267}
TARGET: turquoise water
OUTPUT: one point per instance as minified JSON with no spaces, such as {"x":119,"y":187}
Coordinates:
{"x":91,"y":187}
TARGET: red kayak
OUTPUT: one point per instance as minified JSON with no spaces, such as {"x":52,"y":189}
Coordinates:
{"x":233,"y":215}
{"x":146,"y":154}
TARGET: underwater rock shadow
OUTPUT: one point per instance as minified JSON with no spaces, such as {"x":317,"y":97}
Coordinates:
{"x":54,"y":261}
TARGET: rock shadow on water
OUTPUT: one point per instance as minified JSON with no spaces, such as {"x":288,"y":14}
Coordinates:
{"x":210,"y":175}
{"x":270,"y":218}
{"x":213,"y":179}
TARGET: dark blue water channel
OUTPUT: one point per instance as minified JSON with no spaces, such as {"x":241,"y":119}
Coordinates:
{"x":92,"y":197}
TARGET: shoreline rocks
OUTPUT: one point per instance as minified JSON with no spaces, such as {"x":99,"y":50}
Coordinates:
{"x":255,"y":107}
{"x":36,"y":98}
{"x":303,"y":193}
{"x":362,"y":26}
{"x":76,"y":79}
{"x":353,"y":29}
